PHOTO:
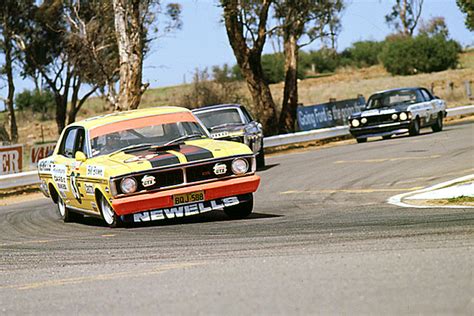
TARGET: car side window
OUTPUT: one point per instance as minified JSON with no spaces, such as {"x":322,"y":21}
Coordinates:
{"x":80,"y":141}
{"x":426,"y":95}
{"x":247,"y":115}
{"x":69,"y":143}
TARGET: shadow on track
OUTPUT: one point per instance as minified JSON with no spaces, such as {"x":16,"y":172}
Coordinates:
{"x":215,"y":216}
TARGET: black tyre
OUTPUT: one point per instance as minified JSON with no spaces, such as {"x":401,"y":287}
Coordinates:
{"x":414,"y":127}
{"x":387,"y":137}
{"x":65,"y":212}
{"x":241,"y":210}
{"x":108,"y":214}
{"x":261,"y":157}
{"x":438,"y":125}
{"x":361,"y":140}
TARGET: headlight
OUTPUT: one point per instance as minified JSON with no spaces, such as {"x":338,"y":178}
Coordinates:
{"x":363,"y":120}
{"x":128,"y":185}
{"x":355,"y":122}
{"x":240,"y":166}
{"x":394,"y":116}
{"x":403,"y":116}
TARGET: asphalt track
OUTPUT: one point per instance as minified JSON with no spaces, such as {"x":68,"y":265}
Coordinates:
{"x":322,"y":240}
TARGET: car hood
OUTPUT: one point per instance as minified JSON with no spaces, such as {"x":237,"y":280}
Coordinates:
{"x":190,"y":151}
{"x":382,"y":111}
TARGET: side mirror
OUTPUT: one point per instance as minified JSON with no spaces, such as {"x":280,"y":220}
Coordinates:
{"x":80,"y":156}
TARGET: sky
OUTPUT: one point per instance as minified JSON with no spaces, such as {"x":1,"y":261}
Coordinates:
{"x":202,"y":42}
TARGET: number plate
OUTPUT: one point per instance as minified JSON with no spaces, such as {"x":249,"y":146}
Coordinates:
{"x":188,"y":197}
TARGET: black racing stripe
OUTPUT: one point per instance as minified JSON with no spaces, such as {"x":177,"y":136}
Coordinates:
{"x":195,"y":153}
{"x":164,"y":159}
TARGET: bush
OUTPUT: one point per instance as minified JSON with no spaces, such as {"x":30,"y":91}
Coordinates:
{"x":274,"y":67}
{"x":323,"y":60}
{"x":362,"y":54}
{"x":406,"y":55}
{"x":37,"y":101}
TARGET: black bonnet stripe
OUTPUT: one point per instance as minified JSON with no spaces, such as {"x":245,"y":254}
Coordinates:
{"x":164,"y":159}
{"x":194,"y":153}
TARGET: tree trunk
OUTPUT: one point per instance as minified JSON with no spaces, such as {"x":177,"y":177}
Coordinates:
{"x":11,"y":83}
{"x":249,"y":61}
{"x":260,"y":92}
{"x":61,"y":102}
{"x":290,"y":93}
{"x":129,"y":32}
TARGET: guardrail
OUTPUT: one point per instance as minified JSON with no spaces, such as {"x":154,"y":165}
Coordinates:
{"x":324,"y":133}
{"x":31,"y":177}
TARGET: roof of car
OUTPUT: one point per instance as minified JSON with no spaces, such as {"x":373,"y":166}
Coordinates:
{"x":397,"y":89}
{"x":127,"y":115}
{"x":216,"y":107}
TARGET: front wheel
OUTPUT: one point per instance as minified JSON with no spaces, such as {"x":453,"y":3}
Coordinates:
{"x":361,"y":140}
{"x":108,"y":213}
{"x":438,"y":125}
{"x":65,"y":213}
{"x":241,"y":210}
{"x":414,"y":127}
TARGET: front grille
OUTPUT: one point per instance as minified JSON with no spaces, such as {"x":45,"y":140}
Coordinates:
{"x":379,"y":119}
{"x":206,"y":172}
{"x":175,"y":177}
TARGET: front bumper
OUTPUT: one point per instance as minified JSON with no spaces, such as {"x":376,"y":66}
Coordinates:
{"x":163,"y":199}
{"x":381,"y":129}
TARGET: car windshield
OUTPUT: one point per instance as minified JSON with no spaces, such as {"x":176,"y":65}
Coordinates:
{"x":389,"y":99}
{"x":222,"y":117}
{"x":140,"y":137}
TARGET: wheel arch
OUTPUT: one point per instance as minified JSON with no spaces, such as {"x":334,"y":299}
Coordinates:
{"x":53,"y":192}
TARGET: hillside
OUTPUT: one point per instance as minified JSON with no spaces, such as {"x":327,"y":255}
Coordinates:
{"x":345,"y":83}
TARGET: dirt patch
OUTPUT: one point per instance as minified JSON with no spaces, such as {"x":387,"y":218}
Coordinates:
{"x":20,"y":195}
{"x":442,"y":202}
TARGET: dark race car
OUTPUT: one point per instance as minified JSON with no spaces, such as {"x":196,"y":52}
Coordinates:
{"x":398,"y":111}
{"x":233,"y":122}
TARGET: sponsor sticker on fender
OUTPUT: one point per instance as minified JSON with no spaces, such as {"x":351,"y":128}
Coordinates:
{"x":59,"y":173}
{"x":95,"y":171}
{"x":185,"y":210}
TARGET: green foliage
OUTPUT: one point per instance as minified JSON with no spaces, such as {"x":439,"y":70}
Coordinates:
{"x":362,"y":54}
{"x":274,"y":67}
{"x":322,"y":61}
{"x":406,"y":56}
{"x":37,"y":101}
{"x":467,"y":6}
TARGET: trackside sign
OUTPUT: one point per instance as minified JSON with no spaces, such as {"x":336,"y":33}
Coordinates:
{"x":11,"y":159}
{"x":40,"y":151}
{"x":328,"y":114}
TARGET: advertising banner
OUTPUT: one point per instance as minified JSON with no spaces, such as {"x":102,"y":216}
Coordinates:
{"x":11,"y":159}
{"x":40,"y":151}
{"x":328,"y":114}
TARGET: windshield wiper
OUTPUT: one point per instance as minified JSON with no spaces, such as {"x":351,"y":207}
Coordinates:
{"x":184,"y":137}
{"x":132,"y":148}
{"x":224,"y":125}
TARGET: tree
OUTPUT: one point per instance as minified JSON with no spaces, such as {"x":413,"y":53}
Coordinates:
{"x":132,"y":20}
{"x":12,"y":22}
{"x":435,"y":26}
{"x":50,"y":54}
{"x":313,"y":20}
{"x":246,"y":26}
{"x":405,"y":16}
{"x":467,"y":6}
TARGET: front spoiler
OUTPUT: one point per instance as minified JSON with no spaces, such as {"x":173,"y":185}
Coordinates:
{"x":164,"y":199}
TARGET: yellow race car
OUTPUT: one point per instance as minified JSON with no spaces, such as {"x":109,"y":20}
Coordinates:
{"x":146,"y":165}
